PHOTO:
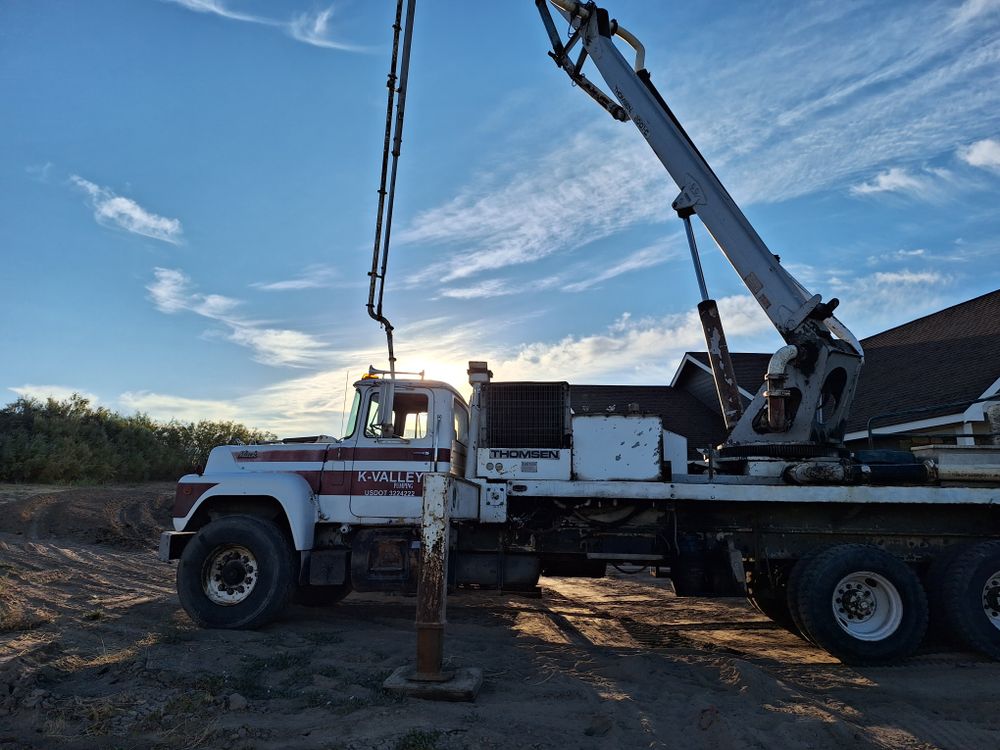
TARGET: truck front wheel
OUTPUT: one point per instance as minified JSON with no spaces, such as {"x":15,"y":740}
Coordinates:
{"x":862,"y":604}
{"x":236,"y":573}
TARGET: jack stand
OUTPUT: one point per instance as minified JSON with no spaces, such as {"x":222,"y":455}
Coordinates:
{"x":428,"y":679}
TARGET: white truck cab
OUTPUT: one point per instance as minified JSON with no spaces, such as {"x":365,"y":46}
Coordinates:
{"x":363,"y":478}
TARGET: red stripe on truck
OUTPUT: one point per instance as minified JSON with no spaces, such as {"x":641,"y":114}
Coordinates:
{"x":250,"y":454}
{"x":339,"y":454}
{"x":394,"y":454}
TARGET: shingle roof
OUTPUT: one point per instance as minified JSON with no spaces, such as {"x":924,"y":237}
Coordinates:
{"x":681,"y":412}
{"x":949,"y":356}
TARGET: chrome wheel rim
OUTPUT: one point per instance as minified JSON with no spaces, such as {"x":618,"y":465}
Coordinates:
{"x":230,"y":575}
{"x":867,"y":606}
{"x":991,"y":599}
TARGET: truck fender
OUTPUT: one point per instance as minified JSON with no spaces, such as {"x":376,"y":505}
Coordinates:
{"x":291,"y":492}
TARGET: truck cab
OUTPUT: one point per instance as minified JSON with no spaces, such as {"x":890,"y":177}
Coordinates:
{"x":366,"y":477}
{"x":375,"y":478}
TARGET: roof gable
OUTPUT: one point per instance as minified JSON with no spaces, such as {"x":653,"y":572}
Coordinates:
{"x":749,"y":368}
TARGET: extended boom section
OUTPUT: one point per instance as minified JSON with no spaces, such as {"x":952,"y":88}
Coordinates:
{"x":803,"y":407}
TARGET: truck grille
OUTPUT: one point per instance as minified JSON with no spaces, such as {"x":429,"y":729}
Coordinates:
{"x":526,"y":415}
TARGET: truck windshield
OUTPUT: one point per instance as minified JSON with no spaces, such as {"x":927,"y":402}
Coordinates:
{"x":352,"y":420}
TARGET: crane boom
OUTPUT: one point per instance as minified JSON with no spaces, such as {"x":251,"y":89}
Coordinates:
{"x":811,"y":382}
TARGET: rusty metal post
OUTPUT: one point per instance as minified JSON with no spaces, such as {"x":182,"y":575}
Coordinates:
{"x":432,"y":581}
{"x":428,"y":679}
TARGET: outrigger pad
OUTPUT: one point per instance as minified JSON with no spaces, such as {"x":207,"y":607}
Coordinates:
{"x":463,"y":686}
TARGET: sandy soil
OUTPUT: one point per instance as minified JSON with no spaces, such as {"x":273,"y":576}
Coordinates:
{"x":96,"y":653}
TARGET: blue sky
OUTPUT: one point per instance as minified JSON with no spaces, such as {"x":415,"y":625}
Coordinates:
{"x":189,"y":191}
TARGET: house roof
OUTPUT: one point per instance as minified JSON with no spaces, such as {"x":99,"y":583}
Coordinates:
{"x":951,"y":356}
{"x":749,"y":368}
{"x":681,"y":412}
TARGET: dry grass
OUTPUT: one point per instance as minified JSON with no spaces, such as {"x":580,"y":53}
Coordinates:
{"x":15,"y":616}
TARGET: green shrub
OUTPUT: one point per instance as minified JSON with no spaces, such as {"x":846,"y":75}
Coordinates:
{"x":72,"y":441}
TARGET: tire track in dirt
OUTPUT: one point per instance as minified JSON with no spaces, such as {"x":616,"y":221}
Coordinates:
{"x":891,"y":707}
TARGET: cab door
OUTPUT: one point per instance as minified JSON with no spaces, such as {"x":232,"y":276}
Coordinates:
{"x":387,"y":472}
{"x":335,"y":481}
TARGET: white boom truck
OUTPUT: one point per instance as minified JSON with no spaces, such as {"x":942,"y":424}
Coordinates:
{"x":855,"y":552}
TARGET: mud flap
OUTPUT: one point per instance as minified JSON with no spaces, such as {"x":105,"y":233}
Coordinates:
{"x":385,"y":560}
{"x":327,"y":567}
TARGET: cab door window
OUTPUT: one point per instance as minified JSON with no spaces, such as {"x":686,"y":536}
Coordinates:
{"x":461,"y":422}
{"x":409,"y":416}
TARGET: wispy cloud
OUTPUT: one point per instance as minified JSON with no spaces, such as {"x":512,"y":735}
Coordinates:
{"x":578,"y":277}
{"x":217,"y":8}
{"x":116,"y":210}
{"x":166,"y":407}
{"x":973,"y":9}
{"x":314,"y":277}
{"x":894,"y":180}
{"x":314,"y":28}
{"x":171,"y":292}
{"x":313,"y":403}
{"x":928,"y":183}
{"x":984,"y":153}
{"x":39,"y":172}
{"x":58,"y":392}
{"x":910,"y":278}
{"x":637,"y":351}
{"x":897,"y":255}
{"x":885,"y":298}
{"x":627,"y":351}
{"x":645,"y":258}
{"x":481,"y":290}
{"x":894,"y":89}
{"x":310,"y":27}
{"x":567,"y":201}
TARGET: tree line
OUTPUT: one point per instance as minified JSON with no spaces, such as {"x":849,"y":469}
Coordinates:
{"x":72,"y":441}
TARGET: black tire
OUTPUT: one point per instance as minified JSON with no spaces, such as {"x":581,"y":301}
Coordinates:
{"x":236,"y":573}
{"x":792,"y":590}
{"x":971,"y":598}
{"x":882,"y":604}
{"x":774,"y":606}
{"x":935,"y":580}
{"x":322,"y":596}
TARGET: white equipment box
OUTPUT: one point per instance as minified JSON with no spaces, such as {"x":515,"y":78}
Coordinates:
{"x":617,"y":447}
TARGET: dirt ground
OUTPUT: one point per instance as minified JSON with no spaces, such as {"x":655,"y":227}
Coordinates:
{"x":95,"y":652}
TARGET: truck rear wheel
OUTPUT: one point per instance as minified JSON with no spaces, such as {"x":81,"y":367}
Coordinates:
{"x":774,"y":606}
{"x":971,"y":598}
{"x":935,"y":584}
{"x":792,"y":589}
{"x":236,"y":573}
{"x":862,"y":604}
